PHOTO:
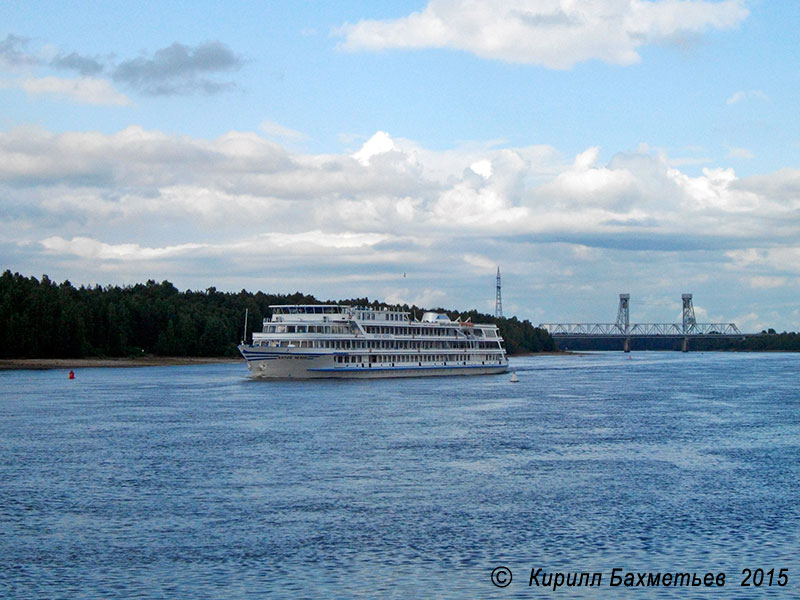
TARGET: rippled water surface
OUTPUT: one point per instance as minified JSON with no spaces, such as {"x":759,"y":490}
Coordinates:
{"x":197,"y":482}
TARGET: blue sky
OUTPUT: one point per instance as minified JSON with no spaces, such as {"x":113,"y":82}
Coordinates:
{"x":589,"y":149}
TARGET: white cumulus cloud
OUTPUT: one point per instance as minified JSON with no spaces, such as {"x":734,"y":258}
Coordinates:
{"x":96,"y":250}
{"x":553,"y":33}
{"x":378,"y":144}
{"x":742,"y":95}
{"x":81,"y":90}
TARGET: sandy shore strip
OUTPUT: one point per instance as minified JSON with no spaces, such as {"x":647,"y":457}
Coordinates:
{"x":39,"y":364}
{"x":91,"y":363}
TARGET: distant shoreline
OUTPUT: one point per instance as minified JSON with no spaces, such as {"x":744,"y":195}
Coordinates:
{"x":41,"y":364}
{"x":46,"y":364}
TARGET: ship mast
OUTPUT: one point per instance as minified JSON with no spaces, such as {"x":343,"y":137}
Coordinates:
{"x":498,"y":303}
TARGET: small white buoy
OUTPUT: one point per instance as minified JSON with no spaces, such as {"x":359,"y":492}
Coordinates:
{"x":514,"y":378}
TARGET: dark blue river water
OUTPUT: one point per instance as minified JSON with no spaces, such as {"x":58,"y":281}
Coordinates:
{"x":197,"y":482}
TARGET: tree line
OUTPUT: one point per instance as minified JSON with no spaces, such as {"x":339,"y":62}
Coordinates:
{"x":44,"y":319}
{"x":767,"y":341}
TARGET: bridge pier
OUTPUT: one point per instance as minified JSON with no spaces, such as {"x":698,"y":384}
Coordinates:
{"x":626,"y":346}
{"x":685,"y":345}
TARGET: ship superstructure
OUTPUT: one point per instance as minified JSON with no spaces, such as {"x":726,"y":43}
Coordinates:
{"x":331,"y":340}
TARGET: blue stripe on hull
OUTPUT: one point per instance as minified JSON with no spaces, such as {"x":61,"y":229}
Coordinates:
{"x":273,"y":355}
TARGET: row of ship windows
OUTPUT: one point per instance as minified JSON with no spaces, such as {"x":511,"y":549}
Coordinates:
{"x":439,"y":332}
{"x":341,"y":329}
{"x":307,"y":329}
{"x":407,"y":358}
{"x":370,"y":316}
{"x":337,"y":310}
{"x":303,"y":310}
{"x":377,"y":344}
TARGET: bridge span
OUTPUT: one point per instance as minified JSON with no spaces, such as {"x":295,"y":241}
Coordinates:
{"x":624,"y":330}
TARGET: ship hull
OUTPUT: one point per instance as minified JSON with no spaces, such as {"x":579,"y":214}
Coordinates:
{"x":296,"y":365}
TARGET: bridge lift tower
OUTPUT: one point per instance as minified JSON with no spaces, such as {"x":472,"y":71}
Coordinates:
{"x":624,"y":319}
{"x":623,"y":314}
{"x":689,"y":320}
{"x":688,"y":329}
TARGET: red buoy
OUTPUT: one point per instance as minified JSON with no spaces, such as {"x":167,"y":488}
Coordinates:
{"x":72,"y":374}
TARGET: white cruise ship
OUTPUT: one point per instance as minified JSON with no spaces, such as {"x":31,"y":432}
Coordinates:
{"x":309,"y":341}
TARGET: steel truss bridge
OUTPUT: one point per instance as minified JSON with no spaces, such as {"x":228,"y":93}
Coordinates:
{"x":642,"y":330}
{"x":623,"y":329}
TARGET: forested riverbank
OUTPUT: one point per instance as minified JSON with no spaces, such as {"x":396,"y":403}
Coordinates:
{"x":43,"y":319}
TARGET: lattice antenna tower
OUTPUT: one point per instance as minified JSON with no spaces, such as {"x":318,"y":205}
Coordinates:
{"x":623,"y":314}
{"x":498,"y":303}
{"x":689,"y":320}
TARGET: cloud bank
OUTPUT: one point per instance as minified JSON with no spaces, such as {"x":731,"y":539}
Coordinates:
{"x":176,"y":70}
{"x":179,"y":70}
{"x":138,"y":201}
{"x":553,"y":33}
{"x":84,"y":90}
